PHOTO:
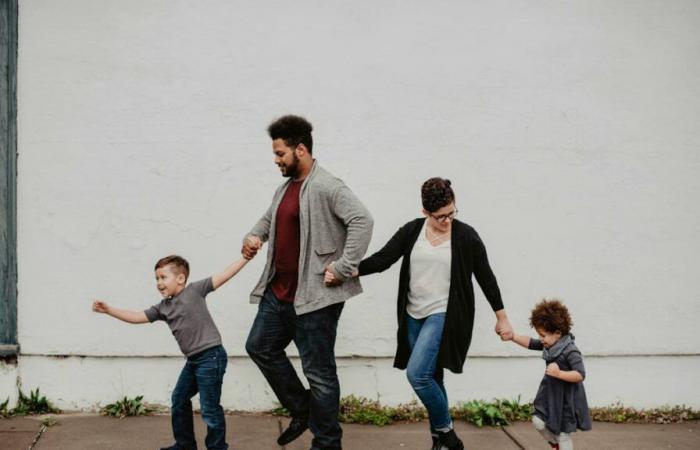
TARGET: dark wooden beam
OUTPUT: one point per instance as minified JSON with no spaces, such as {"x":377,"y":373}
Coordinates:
{"x":8,"y":176}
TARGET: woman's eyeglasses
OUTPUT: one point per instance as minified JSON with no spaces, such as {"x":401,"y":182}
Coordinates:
{"x":442,"y":218}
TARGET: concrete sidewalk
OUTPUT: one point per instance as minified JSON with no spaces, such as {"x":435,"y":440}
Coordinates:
{"x":256,"y":432}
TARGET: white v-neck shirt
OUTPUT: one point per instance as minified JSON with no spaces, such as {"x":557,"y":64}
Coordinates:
{"x":429,"y":286}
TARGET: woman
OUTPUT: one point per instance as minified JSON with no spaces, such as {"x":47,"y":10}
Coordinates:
{"x":436,"y":299}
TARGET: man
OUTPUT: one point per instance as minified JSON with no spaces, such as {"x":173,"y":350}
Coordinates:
{"x":314,"y":219}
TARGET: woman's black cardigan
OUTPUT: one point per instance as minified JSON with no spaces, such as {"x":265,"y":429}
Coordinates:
{"x":468,"y":257}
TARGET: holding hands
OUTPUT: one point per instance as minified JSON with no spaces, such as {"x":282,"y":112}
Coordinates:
{"x":329,"y":277}
{"x":251,"y":245}
{"x":331,"y":280}
{"x":503,"y":327}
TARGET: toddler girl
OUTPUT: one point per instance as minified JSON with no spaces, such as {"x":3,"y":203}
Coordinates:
{"x":560,"y":403}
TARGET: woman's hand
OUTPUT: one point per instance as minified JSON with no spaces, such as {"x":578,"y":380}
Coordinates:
{"x":329,"y":277}
{"x":503,"y":327}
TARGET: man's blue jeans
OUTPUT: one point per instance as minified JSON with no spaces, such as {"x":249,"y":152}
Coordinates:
{"x":314,"y":333}
{"x":203,"y":373}
{"x":424,"y":337}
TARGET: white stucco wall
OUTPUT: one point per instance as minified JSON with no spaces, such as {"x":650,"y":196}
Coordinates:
{"x":569,"y":130}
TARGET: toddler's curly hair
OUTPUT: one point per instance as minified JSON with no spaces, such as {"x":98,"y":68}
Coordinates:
{"x":551,"y":315}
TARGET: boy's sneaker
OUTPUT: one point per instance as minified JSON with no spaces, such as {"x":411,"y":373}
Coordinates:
{"x":449,"y":441}
{"x":295,"y":429}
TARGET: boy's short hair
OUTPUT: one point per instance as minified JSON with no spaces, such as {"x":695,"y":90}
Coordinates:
{"x":180,"y":265}
{"x":293,"y":130}
{"x":436,"y":193}
{"x":551,"y":316}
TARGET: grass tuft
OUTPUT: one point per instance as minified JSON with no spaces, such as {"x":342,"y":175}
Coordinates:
{"x":618,"y":413}
{"x":127,"y":407}
{"x":35,"y":403}
{"x":4,"y":411}
{"x":497,"y":413}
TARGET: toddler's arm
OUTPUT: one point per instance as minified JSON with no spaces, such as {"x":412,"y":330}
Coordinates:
{"x":523,"y":341}
{"x":228,"y":273}
{"x":577,"y":372}
{"x":100,"y":306}
{"x":570,"y":376}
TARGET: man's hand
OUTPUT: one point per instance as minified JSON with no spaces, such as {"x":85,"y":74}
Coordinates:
{"x":553,"y":370}
{"x":503,"y":328}
{"x":329,"y":277}
{"x":100,"y":307}
{"x":251,"y":245}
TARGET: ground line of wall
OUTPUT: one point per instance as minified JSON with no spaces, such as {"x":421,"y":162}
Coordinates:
{"x":349,"y":357}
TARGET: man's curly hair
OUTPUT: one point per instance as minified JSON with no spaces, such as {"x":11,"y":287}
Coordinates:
{"x":551,"y":316}
{"x":436,"y":193}
{"x":294,"y":130}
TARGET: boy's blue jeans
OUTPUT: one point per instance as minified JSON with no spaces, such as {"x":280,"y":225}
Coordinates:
{"x":424,"y":337}
{"x":203,"y":373}
{"x":275,"y":327}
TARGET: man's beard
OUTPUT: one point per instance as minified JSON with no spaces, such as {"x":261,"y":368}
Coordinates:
{"x":291,"y":170}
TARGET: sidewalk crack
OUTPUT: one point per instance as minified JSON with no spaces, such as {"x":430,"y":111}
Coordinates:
{"x":513,"y":438}
{"x":38,"y":436}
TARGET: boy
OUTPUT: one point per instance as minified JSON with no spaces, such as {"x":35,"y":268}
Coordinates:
{"x":185,"y":311}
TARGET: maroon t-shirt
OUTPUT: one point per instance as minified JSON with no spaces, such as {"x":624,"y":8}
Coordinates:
{"x":286,"y":257}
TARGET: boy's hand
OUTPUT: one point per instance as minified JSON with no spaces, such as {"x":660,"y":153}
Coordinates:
{"x":99,"y":306}
{"x":553,"y":370}
{"x":251,"y":245}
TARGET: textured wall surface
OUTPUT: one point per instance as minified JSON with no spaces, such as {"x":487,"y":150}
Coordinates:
{"x":569,"y":130}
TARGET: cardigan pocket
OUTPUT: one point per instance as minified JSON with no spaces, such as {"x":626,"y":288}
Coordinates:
{"x":321,"y":260}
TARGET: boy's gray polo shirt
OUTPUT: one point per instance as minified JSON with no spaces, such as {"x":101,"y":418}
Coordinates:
{"x":188,"y":317}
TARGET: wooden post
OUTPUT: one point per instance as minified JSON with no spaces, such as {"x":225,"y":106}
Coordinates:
{"x":8,"y":178}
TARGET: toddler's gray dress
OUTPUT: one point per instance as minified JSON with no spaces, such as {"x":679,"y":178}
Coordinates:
{"x":562,"y":405}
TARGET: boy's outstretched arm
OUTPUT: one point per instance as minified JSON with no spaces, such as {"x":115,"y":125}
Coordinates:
{"x":228,"y":273}
{"x":121,"y":314}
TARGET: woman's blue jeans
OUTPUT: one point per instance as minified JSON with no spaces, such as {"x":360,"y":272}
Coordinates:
{"x":424,"y":337}
{"x":203,"y":373}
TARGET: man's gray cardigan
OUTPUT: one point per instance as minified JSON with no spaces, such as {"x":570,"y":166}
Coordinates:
{"x":334,"y":226}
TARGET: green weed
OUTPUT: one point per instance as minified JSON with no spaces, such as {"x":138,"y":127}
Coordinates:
{"x":617,"y":413}
{"x":49,"y":421}
{"x":33,"y":404}
{"x":4,"y":411}
{"x":127,"y":407}
{"x":480,"y":413}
